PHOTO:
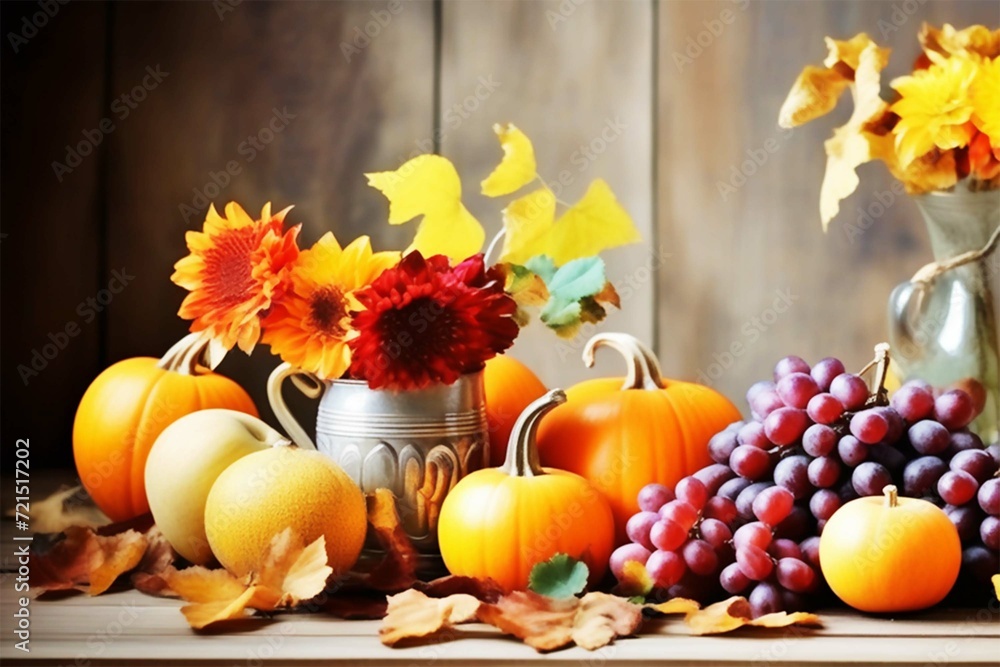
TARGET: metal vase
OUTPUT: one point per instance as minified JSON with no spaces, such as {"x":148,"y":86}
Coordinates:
{"x":418,"y":443}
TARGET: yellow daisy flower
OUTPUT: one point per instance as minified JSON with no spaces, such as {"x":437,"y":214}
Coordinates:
{"x":986,"y":100}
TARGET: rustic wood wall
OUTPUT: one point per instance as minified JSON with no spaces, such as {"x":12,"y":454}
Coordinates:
{"x":665,"y":100}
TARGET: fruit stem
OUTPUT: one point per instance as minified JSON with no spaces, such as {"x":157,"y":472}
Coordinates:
{"x":891,"y":495}
{"x":522,"y":454}
{"x":643,"y":369}
{"x":188,"y":356}
{"x":879,"y":394}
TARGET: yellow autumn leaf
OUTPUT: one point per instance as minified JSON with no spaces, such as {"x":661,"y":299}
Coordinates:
{"x":814,"y":94}
{"x":428,"y":185}
{"x":852,"y":146}
{"x":946,"y":42}
{"x":595,"y":223}
{"x":517,"y":168}
{"x":526,"y":220}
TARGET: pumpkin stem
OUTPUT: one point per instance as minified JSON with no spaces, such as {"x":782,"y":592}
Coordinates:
{"x":189,"y":356}
{"x":879,"y":394}
{"x":891,"y":495}
{"x":643,"y":369}
{"x":522,"y":454}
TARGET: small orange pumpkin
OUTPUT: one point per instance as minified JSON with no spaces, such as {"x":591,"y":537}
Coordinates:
{"x":127,"y":406}
{"x":510,"y":388}
{"x":500,"y":522}
{"x":891,"y":555}
{"x":623,"y":436}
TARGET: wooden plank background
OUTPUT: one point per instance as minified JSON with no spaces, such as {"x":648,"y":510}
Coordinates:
{"x":605,"y":88}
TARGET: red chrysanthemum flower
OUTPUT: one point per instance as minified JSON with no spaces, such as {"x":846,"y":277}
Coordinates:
{"x":425,"y":322}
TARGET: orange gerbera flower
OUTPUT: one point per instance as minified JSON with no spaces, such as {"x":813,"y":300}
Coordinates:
{"x":235,"y":270}
{"x":310,"y":325}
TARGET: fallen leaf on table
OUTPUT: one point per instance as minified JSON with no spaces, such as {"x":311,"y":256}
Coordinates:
{"x":69,"y":506}
{"x":676,"y":606}
{"x":158,"y":557}
{"x":398,"y":568}
{"x":411,"y":614}
{"x":355,"y":606}
{"x":486,"y":590}
{"x":292,"y":573}
{"x":735,"y":613}
{"x":546,"y":624}
{"x":85,"y":561}
{"x":517,"y":168}
{"x":559,"y":577}
{"x":635,"y":581}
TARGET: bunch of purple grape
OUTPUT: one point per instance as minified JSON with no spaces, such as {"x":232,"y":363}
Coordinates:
{"x":749,"y":524}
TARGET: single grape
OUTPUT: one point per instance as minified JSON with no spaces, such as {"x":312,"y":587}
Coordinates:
{"x":966,"y":519}
{"x":819,"y":440}
{"x":962,"y":440}
{"x":714,"y":476}
{"x":976,"y":391}
{"x":824,"y":503}
{"x":754,"y":533}
{"x":795,"y":575}
{"x":846,"y":492}
{"x":773,"y":504}
{"x":731,"y":490}
{"x":667,"y":535}
{"x":792,"y":473}
{"x":989,"y":497}
{"x":796,"y":526}
{"x":980,"y":562}
{"x":810,"y":551}
{"x":691,"y":491}
{"x":783,"y":548}
{"x":785,"y":425}
{"x":869,"y":426}
{"x":825,"y":370}
{"x":750,"y":462}
{"x":700,"y":557}
{"x":715,"y":532}
{"x":757,"y":387}
{"x":624,"y":554}
{"x":639,"y":525}
{"x":824,"y":408}
{"x":957,"y":487}
{"x":765,"y":599}
{"x":665,"y":568}
{"x":752,"y":434}
{"x":929,"y":437}
{"x":870,"y":478}
{"x":977,"y":463}
{"x":744,"y":501}
{"x":720,"y":508}
{"x":754,"y":562}
{"x":913,"y":402}
{"x":897,"y":427}
{"x":733,"y":580}
{"x":820,"y":525}
{"x":765,"y":402}
{"x":851,"y":451}
{"x":955,"y":409}
{"x":989,"y":533}
{"x":795,"y":389}
{"x":679,"y":512}
{"x":850,"y":390}
{"x":994,"y":451}
{"x":890,"y":457}
{"x":920,"y":476}
{"x":654,"y":496}
{"x":721,"y":446}
{"x":735,"y":426}
{"x":792,"y":601}
{"x":788,"y":365}
{"x":824,"y":472}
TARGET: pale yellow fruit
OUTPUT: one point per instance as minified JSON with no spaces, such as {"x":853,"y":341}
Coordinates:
{"x":183,"y":464}
{"x":264,"y":493}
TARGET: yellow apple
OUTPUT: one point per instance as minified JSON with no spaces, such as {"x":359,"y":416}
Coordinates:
{"x":185,"y":461}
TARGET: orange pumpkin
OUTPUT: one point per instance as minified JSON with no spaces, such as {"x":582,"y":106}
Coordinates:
{"x":125,"y":409}
{"x":890,"y":555}
{"x":622,"y":437}
{"x":510,"y":387}
{"x":500,"y":522}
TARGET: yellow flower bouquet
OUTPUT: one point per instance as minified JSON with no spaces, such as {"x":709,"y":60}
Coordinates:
{"x":941,"y":128}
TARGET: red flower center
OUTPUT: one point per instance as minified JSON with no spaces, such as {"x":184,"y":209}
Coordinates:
{"x":327,"y":308}
{"x":229,"y":267}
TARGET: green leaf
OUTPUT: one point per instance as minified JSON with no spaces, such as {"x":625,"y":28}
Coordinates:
{"x":577,"y":279}
{"x":559,"y":577}
{"x":542,"y":266}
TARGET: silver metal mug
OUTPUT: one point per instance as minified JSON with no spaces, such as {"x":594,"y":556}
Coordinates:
{"x":418,"y":443}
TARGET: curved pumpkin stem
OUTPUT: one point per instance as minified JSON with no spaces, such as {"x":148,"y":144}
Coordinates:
{"x":643,"y":368}
{"x":190,"y":355}
{"x":522,"y":454}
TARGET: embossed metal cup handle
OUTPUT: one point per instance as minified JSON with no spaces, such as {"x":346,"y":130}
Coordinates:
{"x":308,"y":384}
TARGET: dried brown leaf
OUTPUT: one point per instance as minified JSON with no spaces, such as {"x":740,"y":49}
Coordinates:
{"x":298,"y":572}
{"x":735,"y":612}
{"x":602,"y":617}
{"x":486,"y":590}
{"x":158,"y":557}
{"x":69,"y":506}
{"x":398,"y":568}
{"x":411,"y":614}
{"x":86,"y":561}
{"x":676,"y":606}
